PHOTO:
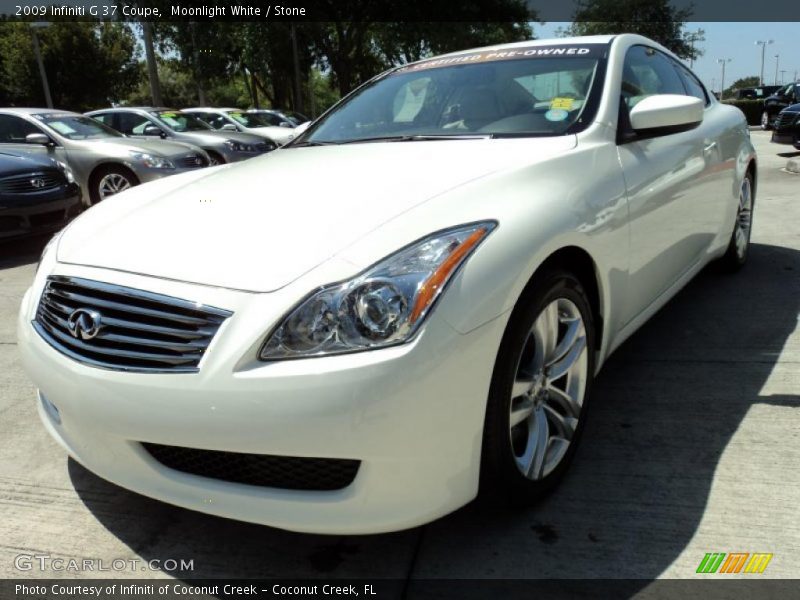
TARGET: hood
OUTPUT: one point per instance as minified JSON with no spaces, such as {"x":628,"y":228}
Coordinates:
{"x":277,"y":134}
{"x":260,"y":224}
{"x":13,"y":164}
{"x":218,"y":137}
{"x":120,"y":146}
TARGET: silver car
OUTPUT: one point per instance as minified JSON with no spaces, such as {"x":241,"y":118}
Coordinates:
{"x":147,"y":121}
{"x":233,"y":119}
{"x":103,"y":160}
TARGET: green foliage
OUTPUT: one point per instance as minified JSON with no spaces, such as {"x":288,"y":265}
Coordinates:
{"x":655,"y":19}
{"x":744,"y":82}
{"x":87,"y":64}
{"x":751,"y":108}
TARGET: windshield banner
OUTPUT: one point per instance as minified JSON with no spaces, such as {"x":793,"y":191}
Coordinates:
{"x":561,"y":50}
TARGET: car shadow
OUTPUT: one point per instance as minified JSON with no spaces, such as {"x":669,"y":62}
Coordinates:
{"x":664,"y":410}
{"x":789,"y":154}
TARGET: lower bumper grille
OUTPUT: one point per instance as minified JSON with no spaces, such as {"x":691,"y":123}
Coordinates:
{"x":284,"y":472}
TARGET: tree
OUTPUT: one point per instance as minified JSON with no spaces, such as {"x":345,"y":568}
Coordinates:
{"x":88,"y":64}
{"x":655,"y":19}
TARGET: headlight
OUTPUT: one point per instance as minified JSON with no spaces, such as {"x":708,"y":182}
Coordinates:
{"x":383,"y":306}
{"x":154,"y":162}
{"x":67,"y":172}
{"x":239,"y":147}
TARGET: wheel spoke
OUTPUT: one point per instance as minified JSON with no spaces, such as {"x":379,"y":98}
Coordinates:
{"x":560,"y":368}
{"x":565,"y":426}
{"x":521,"y":411}
{"x":546,"y":331}
{"x":538,"y":449}
{"x":564,"y":400}
{"x":574,"y":328}
{"x":522,"y":385}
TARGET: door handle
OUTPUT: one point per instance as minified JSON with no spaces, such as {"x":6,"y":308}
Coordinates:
{"x":708,"y":148}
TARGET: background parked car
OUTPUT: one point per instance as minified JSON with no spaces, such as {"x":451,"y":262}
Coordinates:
{"x":166,"y":123}
{"x":787,"y":126}
{"x":755,"y":93}
{"x":37,"y":195}
{"x":294,"y":116}
{"x":774,"y":104}
{"x":273,"y":117}
{"x":233,"y":119}
{"x":103,"y":160}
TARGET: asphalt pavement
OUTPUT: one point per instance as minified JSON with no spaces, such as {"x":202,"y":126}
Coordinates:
{"x":692,"y":446}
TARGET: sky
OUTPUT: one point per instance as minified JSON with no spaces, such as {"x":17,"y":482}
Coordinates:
{"x":736,"y":41}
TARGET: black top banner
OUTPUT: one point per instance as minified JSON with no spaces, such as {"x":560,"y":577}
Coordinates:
{"x":422,"y":11}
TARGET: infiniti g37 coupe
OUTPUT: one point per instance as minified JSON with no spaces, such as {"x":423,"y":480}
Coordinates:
{"x":421,"y":318}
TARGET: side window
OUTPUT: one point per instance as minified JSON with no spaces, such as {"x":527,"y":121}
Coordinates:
{"x":14,"y":129}
{"x":692,"y":84}
{"x":647,"y":72}
{"x":216,"y":121}
{"x":105,"y":119}
{"x":131,"y":123}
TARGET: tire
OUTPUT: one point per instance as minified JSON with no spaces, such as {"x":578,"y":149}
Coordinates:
{"x":110,"y":180}
{"x":522,"y":370}
{"x":214,"y":159}
{"x":736,"y":255}
{"x":765,"y":121}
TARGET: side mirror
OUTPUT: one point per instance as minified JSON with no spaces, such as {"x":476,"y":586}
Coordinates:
{"x":37,"y":138}
{"x":663,"y":114}
{"x":153,"y":130}
{"x":285,"y":124}
{"x":229,"y":127}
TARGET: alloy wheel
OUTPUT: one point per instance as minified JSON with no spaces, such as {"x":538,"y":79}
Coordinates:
{"x":112,"y":183}
{"x":548,"y":390}
{"x":765,"y":120}
{"x":744,"y":218}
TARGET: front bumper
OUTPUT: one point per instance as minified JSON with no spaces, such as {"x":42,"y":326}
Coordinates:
{"x":412,"y":414}
{"x":786,"y":137}
{"x":30,"y":217}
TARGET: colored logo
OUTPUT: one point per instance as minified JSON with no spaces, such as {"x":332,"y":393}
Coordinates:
{"x":734,"y":562}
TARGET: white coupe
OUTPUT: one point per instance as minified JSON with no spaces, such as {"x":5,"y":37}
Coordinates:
{"x":404,"y":306}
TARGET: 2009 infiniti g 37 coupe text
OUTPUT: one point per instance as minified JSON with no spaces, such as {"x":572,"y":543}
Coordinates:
{"x":420,"y":318}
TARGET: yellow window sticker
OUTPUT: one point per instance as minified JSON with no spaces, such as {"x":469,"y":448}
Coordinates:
{"x":563,"y":103}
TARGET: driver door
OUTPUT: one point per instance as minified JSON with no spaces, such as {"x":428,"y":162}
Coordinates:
{"x":669,"y":215}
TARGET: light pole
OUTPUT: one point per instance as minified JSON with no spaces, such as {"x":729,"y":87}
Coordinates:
{"x":763,"y":44}
{"x":782,"y":78}
{"x":777,"y":58}
{"x":37,"y":51}
{"x":723,"y":62}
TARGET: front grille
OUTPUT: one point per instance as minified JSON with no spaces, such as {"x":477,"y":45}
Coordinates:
{"x":285,"y":472}
{"x":39,"y":181}
{"x":784,"y":119}
{"x":192,"y":161}
{"x":123,"y":328}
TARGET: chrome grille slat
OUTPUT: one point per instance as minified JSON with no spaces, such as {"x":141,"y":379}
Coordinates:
{"x":145,"y":312}
{"x":137,"y":326}
{"x":137,"y":330}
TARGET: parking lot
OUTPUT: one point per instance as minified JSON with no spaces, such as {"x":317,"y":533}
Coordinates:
{"x":692,"y":446}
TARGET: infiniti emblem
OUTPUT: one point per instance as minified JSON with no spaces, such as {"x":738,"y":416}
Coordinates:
{"x":37,"y":182}
{"x":84,"y":324}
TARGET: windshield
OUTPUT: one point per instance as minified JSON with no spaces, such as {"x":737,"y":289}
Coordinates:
{"x":180,"y":122}
{"x":525,"y":91}
{"x":75,"y":127}
{"x":248,"y":119}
